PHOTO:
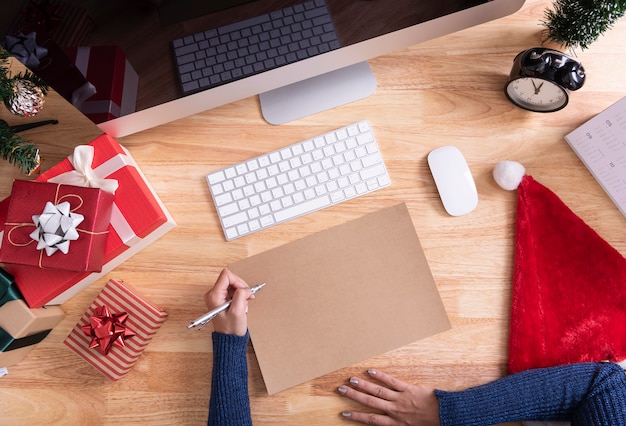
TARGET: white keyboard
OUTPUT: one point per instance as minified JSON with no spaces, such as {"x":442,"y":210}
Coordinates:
{"x":296,"y":180}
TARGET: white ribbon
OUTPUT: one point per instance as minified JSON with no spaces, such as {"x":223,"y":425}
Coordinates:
{"x":110,"y":166}
{"x":83,"y":174}
{"x":56,"y":227}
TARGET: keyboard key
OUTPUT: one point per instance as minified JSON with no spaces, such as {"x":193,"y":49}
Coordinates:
{"x":372,"y":172}
{"x":234,"y":219}
{"x":303,"y":208}
{"x":222,"y":199}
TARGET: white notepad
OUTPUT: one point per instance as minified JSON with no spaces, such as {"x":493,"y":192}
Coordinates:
{"x":601,"y":145}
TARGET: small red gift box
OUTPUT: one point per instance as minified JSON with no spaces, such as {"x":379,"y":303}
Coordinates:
{"x":115,"y":80}
{"x":138,"y":218}
{"x":143,"y":321}
{"x":30,"y":201}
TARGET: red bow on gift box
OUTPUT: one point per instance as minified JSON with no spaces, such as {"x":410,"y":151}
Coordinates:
{"x":107,"y":329}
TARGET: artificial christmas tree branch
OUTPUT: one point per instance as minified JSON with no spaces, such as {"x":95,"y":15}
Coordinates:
{"x":18,"y":152}
{"x":578,"y":23}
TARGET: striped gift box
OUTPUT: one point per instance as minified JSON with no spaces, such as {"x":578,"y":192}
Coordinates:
{"x":144,"y":319}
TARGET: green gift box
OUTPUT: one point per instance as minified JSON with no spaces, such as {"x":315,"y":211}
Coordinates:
{"x":8,"y":288}
{"x":10,"y":343}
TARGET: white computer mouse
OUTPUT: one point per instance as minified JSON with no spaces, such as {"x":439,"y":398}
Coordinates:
{"x":453,"y":179}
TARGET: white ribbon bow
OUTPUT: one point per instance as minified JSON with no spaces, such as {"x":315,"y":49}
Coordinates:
{"x":56,"y":227}
{"x":83,"y":174}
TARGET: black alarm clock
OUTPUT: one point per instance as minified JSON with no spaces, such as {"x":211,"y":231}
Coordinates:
{"x":542,"y":78}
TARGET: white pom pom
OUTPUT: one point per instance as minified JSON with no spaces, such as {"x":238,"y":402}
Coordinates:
{"x":509,"y":174}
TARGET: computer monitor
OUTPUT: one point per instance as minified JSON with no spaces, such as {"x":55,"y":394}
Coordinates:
{"x":144,"y":29}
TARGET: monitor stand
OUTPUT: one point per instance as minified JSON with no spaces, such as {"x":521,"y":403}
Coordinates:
{"x":318,"y":93}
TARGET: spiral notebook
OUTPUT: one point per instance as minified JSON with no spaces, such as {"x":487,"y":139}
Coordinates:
{"x":600,"y":143}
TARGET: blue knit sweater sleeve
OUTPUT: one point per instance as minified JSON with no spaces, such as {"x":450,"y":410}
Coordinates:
{"x":584,"y":394}
{"x":230,"y":403}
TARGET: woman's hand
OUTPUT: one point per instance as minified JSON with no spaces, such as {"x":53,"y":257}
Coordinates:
{"x":400,"y":403}
{"x":229,"y":287}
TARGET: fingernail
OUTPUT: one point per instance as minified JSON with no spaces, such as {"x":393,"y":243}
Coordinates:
{"x":371,"y":372}
{"x":342,"y":390}
{"x":354,"y":381}
{"x":346,"y":413}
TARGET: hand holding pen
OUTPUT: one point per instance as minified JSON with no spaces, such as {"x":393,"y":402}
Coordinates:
{"x":229,"y":287}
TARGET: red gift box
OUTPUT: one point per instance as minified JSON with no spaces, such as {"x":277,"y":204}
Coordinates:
{"x":28,"y":199}
{"x":115,"y":80}
{"x":138,"y":218}
{"x":144,"y":320}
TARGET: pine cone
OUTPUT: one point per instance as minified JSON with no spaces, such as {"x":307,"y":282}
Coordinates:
{"x":28,"y":99}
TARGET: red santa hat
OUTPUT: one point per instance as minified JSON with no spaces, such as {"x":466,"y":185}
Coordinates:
{"x":569,"y":284}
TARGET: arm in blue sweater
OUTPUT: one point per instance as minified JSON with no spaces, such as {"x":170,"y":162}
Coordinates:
{"x":590,"y":394}
{"x":229,"y":404}
{"x":585,"y":394}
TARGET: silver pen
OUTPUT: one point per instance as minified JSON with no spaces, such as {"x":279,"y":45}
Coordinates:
{"x":204,"y":319}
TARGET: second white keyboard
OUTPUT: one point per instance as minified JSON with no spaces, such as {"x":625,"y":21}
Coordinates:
{"x":298,"y":179}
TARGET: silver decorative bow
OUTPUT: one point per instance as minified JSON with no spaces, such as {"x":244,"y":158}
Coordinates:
{"x":56,"y":227}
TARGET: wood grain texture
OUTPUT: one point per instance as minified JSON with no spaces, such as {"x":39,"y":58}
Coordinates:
{"x":446,"y":91}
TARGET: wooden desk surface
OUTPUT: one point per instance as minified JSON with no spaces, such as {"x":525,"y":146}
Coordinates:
{"x":447,"y":91}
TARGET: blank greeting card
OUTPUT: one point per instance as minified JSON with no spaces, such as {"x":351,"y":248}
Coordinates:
{"x":339,"y":297}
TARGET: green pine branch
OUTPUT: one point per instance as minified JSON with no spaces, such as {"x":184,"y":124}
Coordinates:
{"x":578,"y":23}
{"x":17,"y":151}
{"x":6,"y":90}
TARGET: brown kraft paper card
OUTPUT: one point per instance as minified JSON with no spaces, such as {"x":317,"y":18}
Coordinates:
{"x":339,"y":297}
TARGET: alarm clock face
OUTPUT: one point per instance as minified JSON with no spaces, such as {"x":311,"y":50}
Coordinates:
{"x":536,"y":94}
